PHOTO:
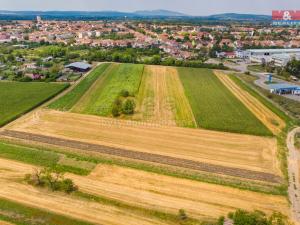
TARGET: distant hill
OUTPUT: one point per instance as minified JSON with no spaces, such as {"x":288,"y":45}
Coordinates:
{"x":236,"y":16}
{"x":160,"y":12}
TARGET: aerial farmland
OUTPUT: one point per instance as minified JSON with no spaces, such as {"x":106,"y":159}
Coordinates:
{"x":127,"y":134}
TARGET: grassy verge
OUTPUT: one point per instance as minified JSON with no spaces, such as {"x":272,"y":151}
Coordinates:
{"x":67,"y":101}
{"x":297,"y":141}
{"x":215,"y":107}
{"x":256,"y":68}
{"x":137,"y":210}
{"x":38,"y":157}
{"x":24,"y":215}
{"x":153,"y":168}
{"x":18,"y":98}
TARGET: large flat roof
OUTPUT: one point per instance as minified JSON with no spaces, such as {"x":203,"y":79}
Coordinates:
{"x":283,"y":86}
{"x":274,"y":50}
{"x":80,"y":65}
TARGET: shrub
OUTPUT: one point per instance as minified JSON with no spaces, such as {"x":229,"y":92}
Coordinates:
{"x":115,"y":111}
{"x":124,"y":93}
{"x":128,"y":107}
{"x":221,"y":220}
{"x":51,"y":178}
{"x":182,"y":214}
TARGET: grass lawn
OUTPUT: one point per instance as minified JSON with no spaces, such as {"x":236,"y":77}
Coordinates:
{"x":256,"y":68}
{"x":101,"y":97}
{"x":20,"y":214}
{"x":17,"y":98}
{"x":66,"y":102}
{"x":215,"y":107}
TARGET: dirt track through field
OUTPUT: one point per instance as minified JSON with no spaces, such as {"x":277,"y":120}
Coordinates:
{"x":274,"y":123}
{"x":224,"y":153}
{"x":11,"y":172}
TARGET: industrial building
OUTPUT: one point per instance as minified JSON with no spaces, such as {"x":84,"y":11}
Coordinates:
{"x":284,"y":88}
{"x":280,"y":57}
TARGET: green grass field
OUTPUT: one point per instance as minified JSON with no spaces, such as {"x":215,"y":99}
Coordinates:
{"x":66,"y":102}
{"x":20,"y":214}
{"x":17,"y":98}
{"x":215,"y":107}
{"x":101,"y":97}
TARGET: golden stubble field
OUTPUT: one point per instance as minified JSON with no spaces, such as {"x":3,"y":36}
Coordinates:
{"x":11,"y":175}
{"x":217,"y":148}
{"x":273,"y":122}
{"x":138,"y":188}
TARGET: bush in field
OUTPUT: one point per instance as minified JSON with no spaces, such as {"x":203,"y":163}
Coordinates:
{"x":117,"y":108}
{"x":124,"y":93}
{"x":182,"y":214}
{"x":128,"y":107}
{"x":115,"y":111}
{"x":221,"y":220}
{"x":51,"y":178}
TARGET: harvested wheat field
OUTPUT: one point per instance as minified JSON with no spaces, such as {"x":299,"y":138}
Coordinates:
{"x":137,"y":188}
{"x":12,"y":172}
{"x":265,"y":115}
{"x":168,"y":193}
{"x":224,"y":149}
{"x":161,"y":98}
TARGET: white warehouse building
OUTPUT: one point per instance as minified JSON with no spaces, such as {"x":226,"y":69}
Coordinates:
{"x":280,"y":57}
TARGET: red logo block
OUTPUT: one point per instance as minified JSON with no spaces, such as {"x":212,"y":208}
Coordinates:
{"x":286,"y":15}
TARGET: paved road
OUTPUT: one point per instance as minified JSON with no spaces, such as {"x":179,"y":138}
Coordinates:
{"x":293,"y":169}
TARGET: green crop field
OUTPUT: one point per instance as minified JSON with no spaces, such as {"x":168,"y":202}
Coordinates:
{"x":17,"y":98}
{"x":117,"y":78}
{"x":66,"y":102}
{"x":215,"y":107}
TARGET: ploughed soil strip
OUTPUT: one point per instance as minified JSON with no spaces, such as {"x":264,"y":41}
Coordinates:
{"x":155,"y":158}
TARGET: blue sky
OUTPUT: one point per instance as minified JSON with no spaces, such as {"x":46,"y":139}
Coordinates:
{"x":192,"y":7}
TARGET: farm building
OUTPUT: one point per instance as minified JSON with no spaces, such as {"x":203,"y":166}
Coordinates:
{"x":79,"y":66}
{"x":284,"y":88}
